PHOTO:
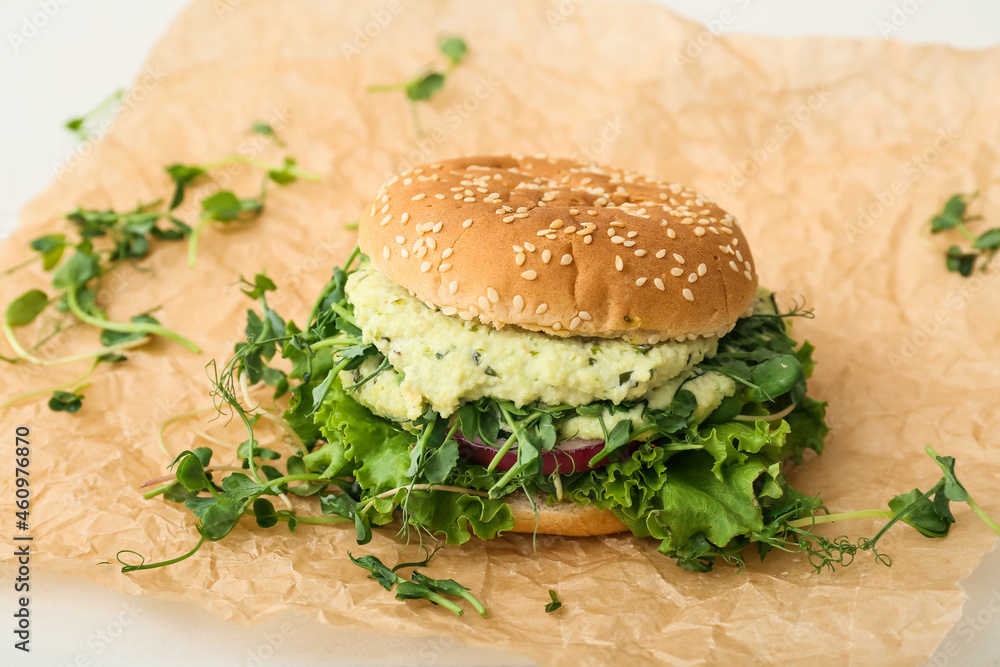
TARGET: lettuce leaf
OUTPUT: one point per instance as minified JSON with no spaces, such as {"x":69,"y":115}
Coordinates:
{"x":377,"y":454}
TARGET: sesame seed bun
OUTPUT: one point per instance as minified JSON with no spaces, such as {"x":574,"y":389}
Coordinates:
{"x":561,"y":519}
{"x":562,"y":247}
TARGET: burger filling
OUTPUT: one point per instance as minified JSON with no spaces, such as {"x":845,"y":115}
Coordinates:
{"x":439,"y":361}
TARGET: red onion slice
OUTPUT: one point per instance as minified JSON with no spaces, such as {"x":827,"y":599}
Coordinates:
{"x":567,"y":457}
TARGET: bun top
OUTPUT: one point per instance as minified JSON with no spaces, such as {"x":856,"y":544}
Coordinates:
{"x":562,"y":247}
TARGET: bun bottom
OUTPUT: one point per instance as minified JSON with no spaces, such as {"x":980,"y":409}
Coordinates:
{"x":562,"y":519}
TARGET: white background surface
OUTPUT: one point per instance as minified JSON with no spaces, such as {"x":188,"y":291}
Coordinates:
{"x":87,"y":49}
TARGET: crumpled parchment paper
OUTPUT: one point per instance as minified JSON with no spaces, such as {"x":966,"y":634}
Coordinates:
{"x":832,"y":153}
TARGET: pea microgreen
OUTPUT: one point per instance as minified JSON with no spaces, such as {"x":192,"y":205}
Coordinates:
{"x":420,"y":586}
{"x":955,"y":216}
{"x":429,"y":81}
{"x":81,"y":125}
{"x":555,"y":604}
{"x":104,"y":239}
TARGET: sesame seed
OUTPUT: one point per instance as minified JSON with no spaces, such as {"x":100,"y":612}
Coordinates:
{"x":591,"y":212}
{"x":747,"y":265}
{"x":469,"y":199}
{"x":386,"y":207}
{"x":499,"y":211}
{"x":556,"y":224}
{"x":566,"y":260}
{"x":693,"y":277}
{"x":431,"y":305}
{"x":546,"y":256}
{"x":619,"y":264}
{"x":680,"y":260}
{"x":543,"y":232}
{"x":432,"y":244}
{"x":661,"y":253}
{"x":385,"y":252}
{"x":588,"y":239}
{"x":405,"y":253}
{"x":492,"y":295}
{"x":467,"y":223}
{"x":386,"y":219}
{"x":519,"y":258}
{"x":556,"y":326}
{"x":425,"y":267}
{"x":417,"y":197}
{"x":400,"y":240}
{"x":517,"y":248}
{"x":569,"y":230}
{"x":405,"y":218}
{"x":739,"y":256}
{"x":726,"y":230}
{"x":453,"y":287}
{"x":671,"y":234}
{"x":407,"y":181}
{"x":459,"y":196}
{"x":541,"y":308}
{"x":518,"y":303}
{"x":444,"y":267}
{"x":520,"y":216}
{"x":447,"y":253}
{"x":702,"y":269}
{"x":449,"y":310}
{"x":615,"y":223}
{"x":529,"y":275}
{"x":733,"y":266}
{"x":617,"y":239}
{"x":629,"y":244}
{"x":699,"y":231}
{"x":688,"y":294}
{"x":439,"y":196}
{"x":659,"y":284}
{"x":420,"y":252}
{"x":484,"y":303}
{"x":530,"y":247}
{"x":713,"y":230}
{"x":574,"y":323}
{"x":473,"y":311}
{"x":640,"y":282}
{"x":509,"y":218}
{"x":574,"y":211}
{"x":676,"y":271}
{"x":584,"y":315}
{"x":437,"y":228}
{"x":702,"y":221}
{"x":632,"y":235}
{"x":640,"y":253}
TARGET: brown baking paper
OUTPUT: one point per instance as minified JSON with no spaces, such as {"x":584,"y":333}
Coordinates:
{"x":832,"y":153}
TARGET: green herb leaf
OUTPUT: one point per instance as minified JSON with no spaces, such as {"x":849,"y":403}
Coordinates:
{"x":379,"y":572}
{"x":268,"y":131}
{"x":183,"y":176}
{"x":455,"y":49}
{"x":555,"y":604}
{"x":25,"y":308}
{"x":76,"y":271}
{"x":65,"y":401}
{"x":51,"y":247}
{"x":264,"y":512}
{"x":259,"y":287}
{"x":223,"y":206}
{"x":989,"y":240}
{"x":191,"y":473}
{"x":424,"y":87}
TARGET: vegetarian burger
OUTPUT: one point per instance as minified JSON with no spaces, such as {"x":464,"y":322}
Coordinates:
{"x":550,"y":346}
